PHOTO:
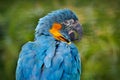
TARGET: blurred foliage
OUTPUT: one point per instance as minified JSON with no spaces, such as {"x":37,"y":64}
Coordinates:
{"x":99,"y":47}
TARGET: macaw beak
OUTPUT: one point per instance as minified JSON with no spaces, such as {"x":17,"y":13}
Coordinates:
{"x":76,"y":32}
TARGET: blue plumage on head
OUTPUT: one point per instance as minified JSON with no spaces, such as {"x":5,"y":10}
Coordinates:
{"x":58,"y":16}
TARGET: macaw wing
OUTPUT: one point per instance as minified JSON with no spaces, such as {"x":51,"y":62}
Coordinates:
{"x":30,"y":61}
{"x":64,"y":63}
{"x":71,"y":62}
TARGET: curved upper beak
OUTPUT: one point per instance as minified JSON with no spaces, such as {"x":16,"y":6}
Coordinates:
{"x":76,"y":32}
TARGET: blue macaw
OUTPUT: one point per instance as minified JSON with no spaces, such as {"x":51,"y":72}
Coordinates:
{"x":52,"y":55}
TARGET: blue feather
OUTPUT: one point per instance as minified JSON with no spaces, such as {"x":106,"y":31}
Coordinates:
{"x":46,"y":58}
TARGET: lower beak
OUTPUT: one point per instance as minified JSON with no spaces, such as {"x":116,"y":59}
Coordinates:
{"x":75,"y":33}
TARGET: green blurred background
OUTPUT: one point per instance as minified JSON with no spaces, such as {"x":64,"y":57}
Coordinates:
{"x":99,"y":47}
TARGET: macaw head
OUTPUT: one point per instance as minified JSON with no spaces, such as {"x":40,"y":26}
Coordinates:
{"x":63,"y":25}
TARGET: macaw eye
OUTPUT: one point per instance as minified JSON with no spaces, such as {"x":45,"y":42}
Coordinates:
{"x":68,"y":24}
{"x":71,"y":21}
